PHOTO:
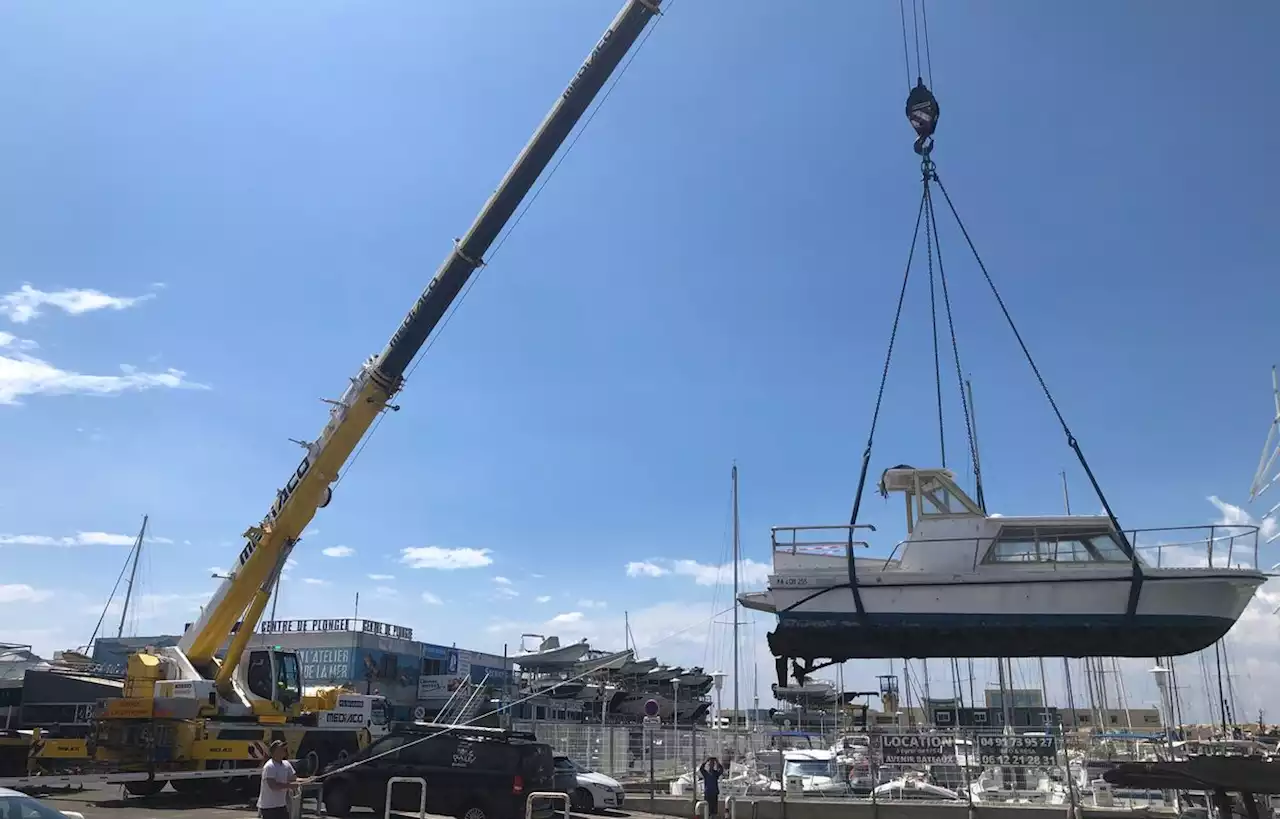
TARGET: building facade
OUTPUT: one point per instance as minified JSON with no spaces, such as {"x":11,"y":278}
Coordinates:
{"x":417,"y":678}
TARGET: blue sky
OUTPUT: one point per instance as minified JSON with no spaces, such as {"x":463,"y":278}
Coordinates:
{"x":258,"y":192}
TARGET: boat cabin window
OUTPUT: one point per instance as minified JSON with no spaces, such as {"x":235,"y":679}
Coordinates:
{"x":1022,"y":544}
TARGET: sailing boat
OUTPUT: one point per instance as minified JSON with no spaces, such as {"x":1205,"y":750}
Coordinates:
{"x":80,"y":658}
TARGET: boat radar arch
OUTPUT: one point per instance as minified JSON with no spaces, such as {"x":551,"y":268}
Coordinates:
{"x":928,"y":492}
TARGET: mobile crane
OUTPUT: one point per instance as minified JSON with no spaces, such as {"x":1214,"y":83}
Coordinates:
{"x":194,"y":711}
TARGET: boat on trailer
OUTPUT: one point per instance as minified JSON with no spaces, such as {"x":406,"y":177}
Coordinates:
{"x":968,"y":584}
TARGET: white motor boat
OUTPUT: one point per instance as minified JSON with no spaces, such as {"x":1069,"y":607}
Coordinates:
{"x":551,"y":655}
{"x":813,"y":693}
{"x":965,"y":583}
{"x":599,"y":662}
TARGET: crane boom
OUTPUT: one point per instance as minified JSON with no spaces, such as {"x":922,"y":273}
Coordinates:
{"x":242,"y":597}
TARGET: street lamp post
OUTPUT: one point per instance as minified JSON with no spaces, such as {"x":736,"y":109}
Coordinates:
{"x":717,"y":678}
{"x":1161,"y":675}
{"x":675,"y":724}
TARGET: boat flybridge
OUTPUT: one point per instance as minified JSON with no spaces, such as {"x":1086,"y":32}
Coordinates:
{"x":965,"y":583}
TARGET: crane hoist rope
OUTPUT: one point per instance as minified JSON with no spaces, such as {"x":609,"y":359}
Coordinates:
{"x":922,"y":111}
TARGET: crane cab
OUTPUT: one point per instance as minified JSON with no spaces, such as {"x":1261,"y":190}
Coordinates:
{"x":272,"y":680}
{"x":268,"y":682}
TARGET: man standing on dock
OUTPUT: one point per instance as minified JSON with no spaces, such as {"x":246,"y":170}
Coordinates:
{"x":278,"y":779}
{"x":711,"y":771}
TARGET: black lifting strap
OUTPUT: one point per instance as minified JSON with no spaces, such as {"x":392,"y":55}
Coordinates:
{"x":875,"y":417}
{"x":1135,"y":584}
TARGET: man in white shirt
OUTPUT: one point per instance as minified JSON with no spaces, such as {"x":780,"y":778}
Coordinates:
{"x":278,"y":779}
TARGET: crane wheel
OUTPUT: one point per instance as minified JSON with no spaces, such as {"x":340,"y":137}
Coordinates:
{"x":144,"y":787}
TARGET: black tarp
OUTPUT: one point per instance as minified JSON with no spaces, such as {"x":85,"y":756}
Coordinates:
{"x":1208,"y":773}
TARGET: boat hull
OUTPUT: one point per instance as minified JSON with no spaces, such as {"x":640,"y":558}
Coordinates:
{"x":1179,"y":612}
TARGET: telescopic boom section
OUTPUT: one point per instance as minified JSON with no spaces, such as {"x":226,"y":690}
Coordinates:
{"x":242,"y":597}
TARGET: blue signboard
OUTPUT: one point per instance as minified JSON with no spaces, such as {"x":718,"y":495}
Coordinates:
{"x":327,"y":666}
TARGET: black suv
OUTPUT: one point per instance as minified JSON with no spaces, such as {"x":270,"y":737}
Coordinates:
{"x":471,"y":773}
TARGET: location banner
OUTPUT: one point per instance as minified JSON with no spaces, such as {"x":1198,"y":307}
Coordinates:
{"x":917,"y":749}
{"x":1017,"y":750}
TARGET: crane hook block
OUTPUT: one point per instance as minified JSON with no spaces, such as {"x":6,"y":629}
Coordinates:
{"x":922,"y":113}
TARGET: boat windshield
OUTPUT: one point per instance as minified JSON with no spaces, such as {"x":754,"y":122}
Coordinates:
{"x":1028,"y":544}
{"x":808,"y":767}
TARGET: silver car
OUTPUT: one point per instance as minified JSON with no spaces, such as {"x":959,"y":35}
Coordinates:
{"x":17,"y":805}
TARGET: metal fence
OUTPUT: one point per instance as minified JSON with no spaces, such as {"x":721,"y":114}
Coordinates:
{"x":962,"y":765}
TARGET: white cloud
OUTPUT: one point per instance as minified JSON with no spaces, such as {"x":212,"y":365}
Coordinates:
{"x":546,"y":598}
{"x":566,"y":618}
{"x":385,"y":591}
{"x":338,"y":551}
{"x":750,"y":573}
{"x":506,"y":591}
{"x":1233,"y":515}
{"x":382,"y":577}
{"x":26,"y":302}
{"x":22,"y":375}
{"x":500,"y":579}
{"x":152,"y":606}
{"x":212,"y":570}
{"x":78,"y":539}
{"x":10,"y":340}
{"x":592,"y":604}
{"x":439,"y":557}
{"x":643,"y":568}
{"x":431,"y":599}
{"x":22,"y":593}
{"x":315,"y":581}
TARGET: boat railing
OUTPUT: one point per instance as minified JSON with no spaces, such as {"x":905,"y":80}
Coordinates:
{"x":826,"y":541}
{"x":1215,"y":546}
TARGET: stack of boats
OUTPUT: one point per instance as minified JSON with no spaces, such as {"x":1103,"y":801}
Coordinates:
{"x":612,"y":686}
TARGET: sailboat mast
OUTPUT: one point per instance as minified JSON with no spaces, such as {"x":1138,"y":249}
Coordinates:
{"x":133,"y":574}
{"x":737,"y":706}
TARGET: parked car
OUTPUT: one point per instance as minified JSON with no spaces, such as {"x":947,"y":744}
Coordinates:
{"x":17,"y":805}
{"x":470,"y":773}
{"x":593,"y":791}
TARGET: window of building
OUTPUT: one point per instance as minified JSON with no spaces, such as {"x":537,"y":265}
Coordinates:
{"x":433,"y":668}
